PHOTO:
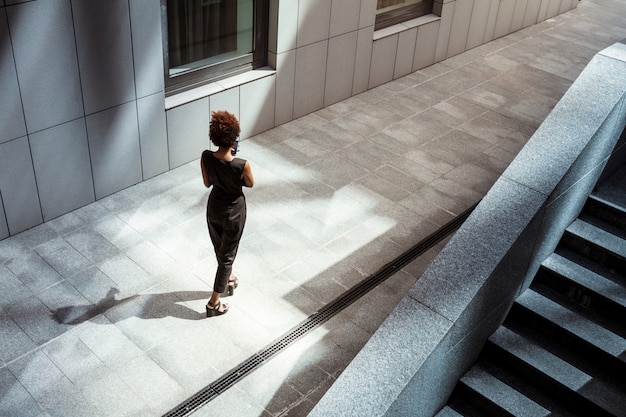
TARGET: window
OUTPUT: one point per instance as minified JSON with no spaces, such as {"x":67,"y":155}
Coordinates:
{"x":391,"y":12}
{"x":207,"y":40}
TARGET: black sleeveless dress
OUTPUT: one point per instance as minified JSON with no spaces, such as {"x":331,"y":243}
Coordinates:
{"x":226,"y":212}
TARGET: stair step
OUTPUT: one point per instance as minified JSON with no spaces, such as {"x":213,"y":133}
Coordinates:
{"x":500,"y":394}
{"x":575,"y":324}
{"x":612,"y":205}
{"x":606,"y":214}
{"x":448,"y":412}
{"x":586,"y":278}
{"x":614,"y":187}
{"x":539,"y":359}
{"x":598,"y":237}
{"x":574,"y":386}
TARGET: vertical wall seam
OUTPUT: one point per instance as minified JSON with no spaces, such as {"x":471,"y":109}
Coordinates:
{"x":30,"y":152}
{"x":524,"y":14}
{"x":17,"y":73}
{"x":330,"y":18}
{"x":356,"y":51}
{"x":32,"y":163}
{"x":536,"y":19}
{"x":4,"y":213}
{"x":395,"y":60}
{"x":469,"y":27}
{"x":82,"y":95}
{"x":132,"y":53}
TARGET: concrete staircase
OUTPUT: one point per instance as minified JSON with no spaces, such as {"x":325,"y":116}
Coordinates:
{"x":562,"y":349}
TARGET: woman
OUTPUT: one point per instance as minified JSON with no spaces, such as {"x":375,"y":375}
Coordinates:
{"x":226,"y":208}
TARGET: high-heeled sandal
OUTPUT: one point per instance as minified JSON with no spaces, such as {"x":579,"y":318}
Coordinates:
{"x":214,"y":309}
{"x":230,"y":288}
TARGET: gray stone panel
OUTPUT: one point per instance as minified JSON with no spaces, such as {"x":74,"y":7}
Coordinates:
{"x":188,"y":132}
{"x":340,"y":67}
{"x":226,"y":100}
{"x":18,"y":187}
{"x":62,"y":168}
{"x":45,"y":57}
{"x":11,"y":113}
{"x":532,"y":12}
{"x":257,"y":106}
{"x":460,"y":26}
{"x":517,"y":20}
{"x":114,"y":147}
{"x":147,"y":46}
{"x":104,"y":52}
{"x":152,"y":135}
{"x":505,"y":17}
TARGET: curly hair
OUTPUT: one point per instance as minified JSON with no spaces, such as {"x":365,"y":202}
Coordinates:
{"x":223,"y":128}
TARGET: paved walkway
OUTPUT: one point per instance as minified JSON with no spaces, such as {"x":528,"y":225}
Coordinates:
{"x":102,"y":310}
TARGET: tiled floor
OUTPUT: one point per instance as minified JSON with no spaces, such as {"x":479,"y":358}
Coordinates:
{"x":102,"y":310}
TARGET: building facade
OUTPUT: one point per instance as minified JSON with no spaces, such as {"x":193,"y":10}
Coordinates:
{"x":87,"y":108}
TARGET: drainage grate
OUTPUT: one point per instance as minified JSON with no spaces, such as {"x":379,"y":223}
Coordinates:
{"x":226,"y":381}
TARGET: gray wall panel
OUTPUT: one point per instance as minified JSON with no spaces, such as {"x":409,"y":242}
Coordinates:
{"x":226,"y":100}
{"x":11,"y":113}
{"x":553,"y":8}
{"x":147,"y":46}
{"x":45,"y":56}
{"x":257,"y":107}
{"x":518,"y":15}
{"x":532,"y":12}
{"x":460,"y":27}
{"x":18,"y":187}
{"x":152,"y":135}
{"x":478,"y":23}
{"x":505,"y":17}
{"x":114,"y":147}
{"x":340,"y":67}
{"x":104,"y":53}
{"x":188,"y":131}
{"x":62,"y":168}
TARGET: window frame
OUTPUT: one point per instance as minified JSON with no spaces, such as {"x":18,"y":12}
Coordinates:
{"x":402,"y":14}
{"x":207,"y":74}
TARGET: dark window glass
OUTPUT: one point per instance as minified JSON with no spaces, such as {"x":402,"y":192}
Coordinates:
{"x":391,"y":12}
{"x":211,"y":39}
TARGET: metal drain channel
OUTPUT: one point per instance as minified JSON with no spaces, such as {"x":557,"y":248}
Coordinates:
{"x":229,"y":379}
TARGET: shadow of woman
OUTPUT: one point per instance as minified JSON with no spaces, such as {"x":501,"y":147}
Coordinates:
{"x":145,"y":306}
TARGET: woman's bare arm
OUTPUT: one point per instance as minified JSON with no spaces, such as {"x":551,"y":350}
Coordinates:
{"x":205,"y":176}
{"x":246,"y":176}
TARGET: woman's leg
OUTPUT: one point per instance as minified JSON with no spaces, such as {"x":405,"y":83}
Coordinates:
{"x":232,"y":230}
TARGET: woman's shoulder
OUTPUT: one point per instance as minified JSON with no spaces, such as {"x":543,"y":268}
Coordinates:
{"x":207,"y":156}
{"x":239,"y":161}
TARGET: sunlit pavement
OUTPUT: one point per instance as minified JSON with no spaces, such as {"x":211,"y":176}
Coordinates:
{"x":102,"y":309}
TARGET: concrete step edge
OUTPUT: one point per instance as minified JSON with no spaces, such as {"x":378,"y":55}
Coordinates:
{"x":573,"y":323}
{"x":586,"y":278}
{"x":497,"y":392}
{"x":601,"y":238}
